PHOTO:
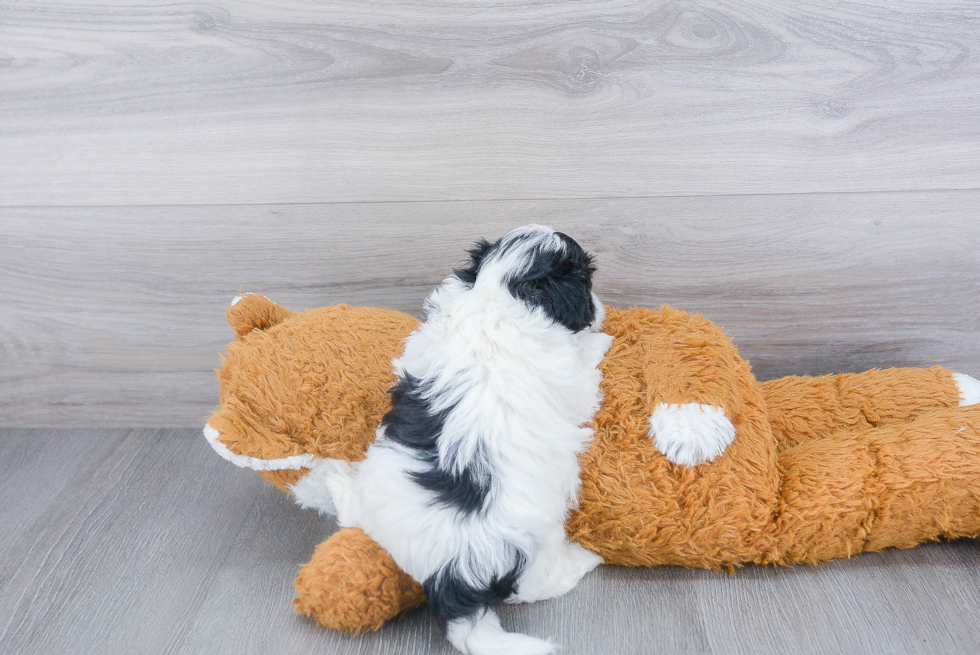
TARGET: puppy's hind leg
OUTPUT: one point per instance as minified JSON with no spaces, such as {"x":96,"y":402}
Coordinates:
{"x":555,"y":570}
{"x":481,"y":634}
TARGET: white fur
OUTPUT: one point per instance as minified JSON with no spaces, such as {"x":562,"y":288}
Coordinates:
{"x":329,"y":489}
{"x":522,"y":389}
{"x":482,"y":635}
{"x":293,"y":462}
{"x":600,"y":315}
{"x":690,"y":434}
{"x":555,"y":571}
{"x":969,"y":389}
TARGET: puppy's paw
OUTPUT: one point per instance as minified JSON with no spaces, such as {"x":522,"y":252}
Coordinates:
{"x":690,"y":434}
{"x":969,"y":389}
{"x":554,"y":574}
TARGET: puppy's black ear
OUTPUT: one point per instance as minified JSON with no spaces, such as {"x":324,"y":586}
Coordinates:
{"x":468,"y":273}
{"x":560,"y":283}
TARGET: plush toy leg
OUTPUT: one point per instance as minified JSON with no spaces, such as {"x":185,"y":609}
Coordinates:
{"x":352,"y":584}
{"x":892,"y":486}
{"x":802,"y":408}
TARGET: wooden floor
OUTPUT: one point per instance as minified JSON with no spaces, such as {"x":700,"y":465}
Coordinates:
{"x":806,"y":174}
{"x":143,"y":541}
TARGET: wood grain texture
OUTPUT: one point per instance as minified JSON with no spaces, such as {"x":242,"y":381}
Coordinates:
{"x":120,"y":562}
{"x":269,"y":101}
{"x":115,"y":316}
{"x":153,"y":544}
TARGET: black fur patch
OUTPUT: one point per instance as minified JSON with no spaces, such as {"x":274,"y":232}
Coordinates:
{"x":449,"y":597}
{"x":469,"y":272}
{"x":560,"y":283}
{"x":412,"y":423}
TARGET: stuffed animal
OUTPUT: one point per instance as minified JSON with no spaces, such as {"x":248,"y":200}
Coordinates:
{"x":819,"y":467}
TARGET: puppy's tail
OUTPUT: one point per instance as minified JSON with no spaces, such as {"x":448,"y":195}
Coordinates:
{"x":481,"y":634}
{"x":464,"y":608}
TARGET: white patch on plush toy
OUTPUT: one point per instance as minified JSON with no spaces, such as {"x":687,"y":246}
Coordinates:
{"x":329,"y":489}
{"x":969,"y":389}
{"x":238,"y":299}
{"x":293,"y":462}
{"x":690,"y":434}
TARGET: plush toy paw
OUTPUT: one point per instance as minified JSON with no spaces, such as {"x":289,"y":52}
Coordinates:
{"x":554,"y":573}
{"x":352,"y":584}
{"x":969,"y":389}
{"x":690,"y":434}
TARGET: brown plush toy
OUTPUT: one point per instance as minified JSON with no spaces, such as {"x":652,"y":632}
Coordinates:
{"x":819,"y":468}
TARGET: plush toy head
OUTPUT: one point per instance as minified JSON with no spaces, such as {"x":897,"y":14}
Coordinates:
{"x":299,"y":386}
{"x":312,"y":386}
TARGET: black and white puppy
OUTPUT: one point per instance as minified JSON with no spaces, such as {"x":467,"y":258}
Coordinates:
{"x":475,"y":467}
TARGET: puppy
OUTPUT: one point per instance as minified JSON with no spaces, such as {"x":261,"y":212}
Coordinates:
{"x":475,"y":467}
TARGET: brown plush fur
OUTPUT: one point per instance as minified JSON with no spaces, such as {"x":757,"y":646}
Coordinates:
{"x":635,"y":507}
{"x":820,"y":467}
{"x":283,"y":478}
{"x":351,"y":584}
{"x":803,"y":408}
{"x":288,"y":390}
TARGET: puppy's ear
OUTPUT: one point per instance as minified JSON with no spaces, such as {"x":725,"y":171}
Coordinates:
{"x":559,"y":282}
{"x":468,"y":273}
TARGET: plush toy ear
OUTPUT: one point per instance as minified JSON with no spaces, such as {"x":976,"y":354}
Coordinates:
{"x":352,"y":584}
{"x":254,"y":312}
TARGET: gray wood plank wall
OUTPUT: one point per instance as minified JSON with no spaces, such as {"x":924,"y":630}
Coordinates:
{"x":299,"y":101}
{"x":805,"y":174}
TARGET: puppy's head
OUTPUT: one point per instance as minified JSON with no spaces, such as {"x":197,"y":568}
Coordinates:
{"x":545,"y":269}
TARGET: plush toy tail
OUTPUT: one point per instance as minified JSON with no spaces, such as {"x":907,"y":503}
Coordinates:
{"x":254,"y":312}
